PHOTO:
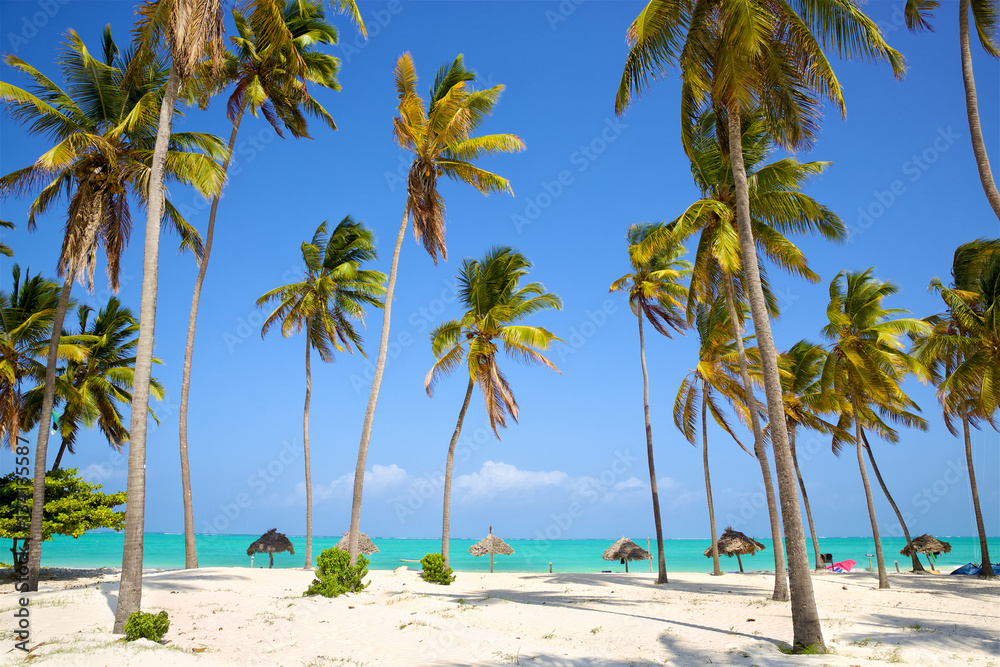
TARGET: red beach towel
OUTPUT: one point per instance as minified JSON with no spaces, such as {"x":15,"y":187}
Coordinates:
{"x":843,"y":566}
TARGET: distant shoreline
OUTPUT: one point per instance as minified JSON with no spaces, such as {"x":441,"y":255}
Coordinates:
{"x":165,"y":551}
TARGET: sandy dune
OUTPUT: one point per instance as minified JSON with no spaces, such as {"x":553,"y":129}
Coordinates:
{"x":239,"y":616}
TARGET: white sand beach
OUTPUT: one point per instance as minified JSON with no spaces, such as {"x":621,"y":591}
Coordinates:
{"x":242,"y":616}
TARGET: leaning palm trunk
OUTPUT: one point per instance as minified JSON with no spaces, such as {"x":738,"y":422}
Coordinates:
{"x":366,"y":431}
{"x":972,"y":108}
{"x":883,"y":578}
{"x":41,"y":449}
{"x":805,"y":499}
{"x":305,"y":454}
{"x":780,"y":578}
{"x":716,"y":570}
{"x":986,"y":570}
{"x":62,"y":450}
{"x":190,"y":546}
{"x":661,"y":577}
{"x":807,"y":633}
{"x":917,"y":566}
{"x":130,"y":589}
{"x":446,"y":519}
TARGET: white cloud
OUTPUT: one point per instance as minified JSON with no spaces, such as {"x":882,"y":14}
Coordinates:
{"x":630,"y":483}
{"x":494,"y":477}
{"x":379,"y":478}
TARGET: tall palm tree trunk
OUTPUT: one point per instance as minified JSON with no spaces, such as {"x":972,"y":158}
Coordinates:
{"x":883,"y":577}
{"x":661,"y":577}
{"x":190,"y":546}
{"x":305,"y":454}
{"x":716,"y":570}
{"x":130,"y":589}
{"x":987,"y":565}
{"x":917,"y":567}
{"x":41,"y":449}
{"x":972,"y":109}
{"x":780,"y":577}
{"x":805,"y":499}
{"x":366,"y":431}
{"x":806,"y":629}
{"x":446,"y":519}
{"x":62,"y":450}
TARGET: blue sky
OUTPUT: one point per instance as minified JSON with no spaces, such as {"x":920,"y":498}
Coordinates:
{"x":904,"y":180}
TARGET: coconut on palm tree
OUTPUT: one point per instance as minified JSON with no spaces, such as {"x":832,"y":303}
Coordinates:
{"x":189,"y":31}
{"x":332,"y":295}
{"x":262,"y":83}
{"x":439,"y":132}
{"x":735,"y":56}
{"x":716,"y":376}
{"x":984,"y":14}
{"x":495,"y":303}
{"x":90,"y":392}
{"x":655,"y":293}
{"x":962,"y":353}
{"x":777,"y":207}
{"x":866,"y":362}
{"x":102,"y":128}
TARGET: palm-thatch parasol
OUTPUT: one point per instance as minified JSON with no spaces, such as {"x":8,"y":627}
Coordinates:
{"x":625,"y":550}
{"x":734,"y":543}
{"x":270,"y":543}
{"x":491,"y":544}
{"x":365,"y":545}
{"x":925,"y":544}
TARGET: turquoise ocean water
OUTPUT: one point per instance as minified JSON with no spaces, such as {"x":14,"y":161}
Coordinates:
{"x":166,"y":551}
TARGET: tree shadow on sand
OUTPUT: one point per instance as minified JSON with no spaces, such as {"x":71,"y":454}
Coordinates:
{"x":942,"y":634}
{"x":171,"y":580}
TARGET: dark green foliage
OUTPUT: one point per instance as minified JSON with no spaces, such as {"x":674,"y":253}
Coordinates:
{"x":141,"y":625}
{"x":336,"y":575}
{"x":435,"y":571}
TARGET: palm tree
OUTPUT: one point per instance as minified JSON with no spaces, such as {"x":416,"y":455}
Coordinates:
{"x":495,"y":302}
{"x":918,"y":13}
{"x":962,"y":353}
{"x":102,"y":129}
{"x":866,"y":363}
{"x":263,"y":84}
{"x":92,"y":390}
{"x":442,"y":142}
{"x":5,"y":249}
{"x":717,"y":374}
{"x":804,"y":402}
{"x":187,"y":30}
{"x":777,"y":207}
{"x":737,"y":55}
{"x":26,"y":314}
{"x":654,"y":292}
{"x":898,"y":410}
{"x":334,"y":291}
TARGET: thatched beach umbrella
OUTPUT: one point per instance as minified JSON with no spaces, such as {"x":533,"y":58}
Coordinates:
{"x":270,"y":543}
{"x":365,"y":545}
{"x":925,"y":544}
{"x":491,"y":544}
{"x":625,"y":550}
{"x":734,"y":543}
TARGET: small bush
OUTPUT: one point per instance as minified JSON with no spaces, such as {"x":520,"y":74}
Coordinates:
{"x":148,"y":626}
{"x":335,"y":574}
{"x":435,"y":571}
